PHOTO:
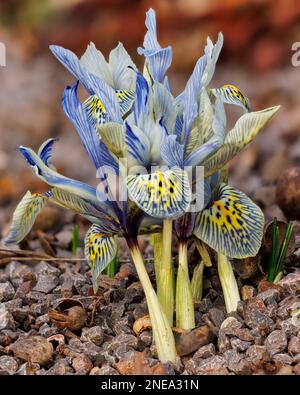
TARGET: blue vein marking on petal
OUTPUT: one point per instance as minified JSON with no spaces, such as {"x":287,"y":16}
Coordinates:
{"x":159,"y":58}
{"x":45,"y":151}
{"x":192,"y":93}
{"x":142,"y":94}
{"x":107,"y":159}
{"x":150,"y":40}
{"x":93,"y":84}
{"x":188,"y":99}
{"x":172,"y":151}
{"x":53,"y":178}
{"x":207,"y":149}
{"x":159,"y":62}
{"x":77,"y":115}
{"x":131,"y":140}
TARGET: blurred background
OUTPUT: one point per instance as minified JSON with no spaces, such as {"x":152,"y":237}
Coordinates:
{"x":256,"y":57}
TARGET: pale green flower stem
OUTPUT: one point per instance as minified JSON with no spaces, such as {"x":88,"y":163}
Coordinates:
{"x":162,"y":332}
{"x":156,"y":242}
{"x":165,"y":285}
{"x":203,"y":252}
{"x":197,"y":282}
{"x":228,"y":282}
{"x":185,"y":312}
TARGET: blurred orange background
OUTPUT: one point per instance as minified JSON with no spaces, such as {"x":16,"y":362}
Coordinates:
{"x":256,"y":57}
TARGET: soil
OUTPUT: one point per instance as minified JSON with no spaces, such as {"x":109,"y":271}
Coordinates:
{"x":51,"y":323}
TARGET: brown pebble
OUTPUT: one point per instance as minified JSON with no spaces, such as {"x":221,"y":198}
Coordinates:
{"x":258,"y":355}
{"x":288,"y":192}
{"x":247,"y":292}
{"x":205,"y":351}
{"x":285,"y":370}
{"x":266,"y":285}
{"x":215,"y":365}
{"x":294,"y":345}
{"x":276,"y":342}
{"x":82,"y":364}
{"x":33,"y":349}
{"x":297,"y":369}
{"x":190,"y":341}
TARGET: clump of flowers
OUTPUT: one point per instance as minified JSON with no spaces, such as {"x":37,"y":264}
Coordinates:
{"x":149,"y":143}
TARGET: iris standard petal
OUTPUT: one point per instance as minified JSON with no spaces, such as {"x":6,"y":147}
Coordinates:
{"x":93,"y":84}
{"x":191,"y":95}
{"x":202,"y":129}
{"x":77,"y":115}
{"x":121,"y":64}
{"x":94,"y":62}
{"x":159,"y":58}
{"x":212,"y":52}
{"x":172,"y":151}
{"x":163,"y":106}
{"x":141,"y":106}
{"x":137,"y":144}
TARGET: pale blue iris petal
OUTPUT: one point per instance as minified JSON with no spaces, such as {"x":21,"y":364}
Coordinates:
{"x":137,"y":144}
{"x":220,"y":121}
{"x":198,"y":156}
{"x":93,"y":84}
{"x":94,"y":62}
{"x":77,"y":115}
{"x":159,"y":61}
{"x":45,"y":151}
{"x":212,"y":51}
{"x":107,"y":159}
{"x":159,"y":58}
{"x":172,"y":152}
{"x":164,"y":107}
{"x":120,"y":63}
{"x":192,"y":93}
{"x":55,"y":179}
{"x":142,"y":96}
{"x":166,"y":84}
{"x":150,"y":40}
{"x":178,"y":125}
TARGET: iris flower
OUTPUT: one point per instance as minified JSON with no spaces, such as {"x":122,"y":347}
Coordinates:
{"x":132,"y":125}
